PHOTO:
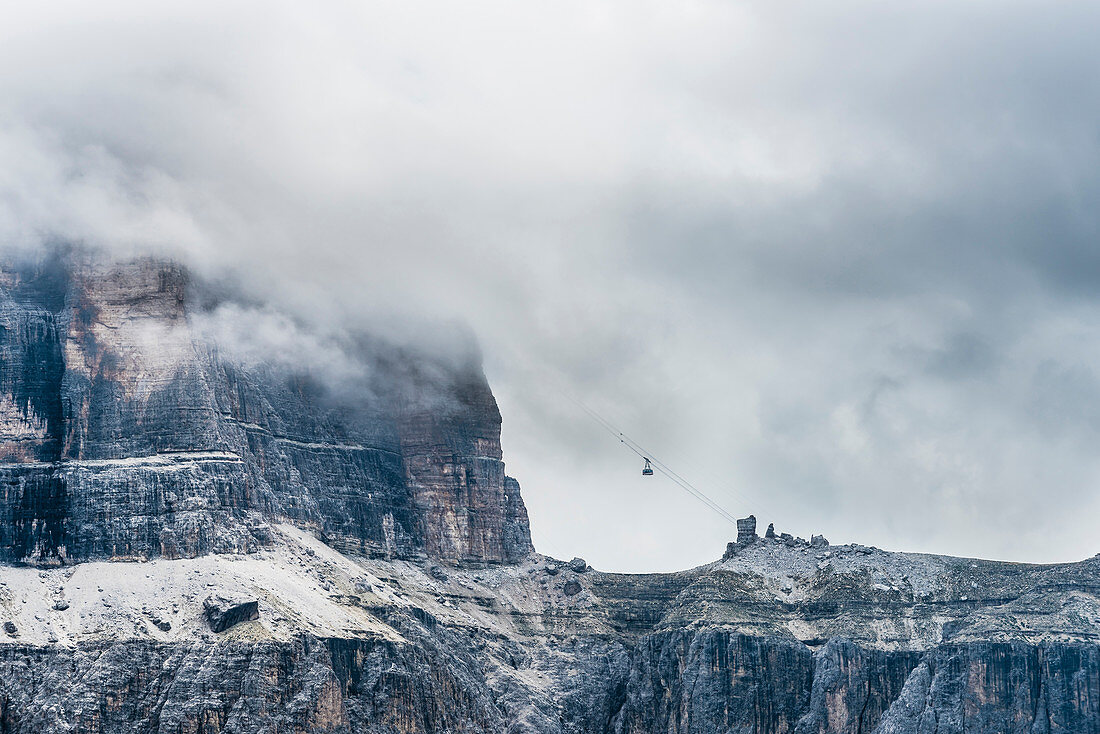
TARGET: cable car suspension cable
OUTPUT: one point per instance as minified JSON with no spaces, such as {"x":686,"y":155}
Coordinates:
{"x":666,"y":469}
{"x":657,"y":464}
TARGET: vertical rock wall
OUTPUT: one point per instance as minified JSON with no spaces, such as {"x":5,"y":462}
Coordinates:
{"x":125,"y":431}
{"x":443,"y":680}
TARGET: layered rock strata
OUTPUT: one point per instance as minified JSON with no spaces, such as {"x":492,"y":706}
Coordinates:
{"x":775,"y":639}
{"x":126,"y":430}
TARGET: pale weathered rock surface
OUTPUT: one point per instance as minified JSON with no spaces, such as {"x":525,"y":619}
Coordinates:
{"x":154,"y":489}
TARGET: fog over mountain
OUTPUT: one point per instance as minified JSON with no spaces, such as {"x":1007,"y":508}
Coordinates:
{"x":837,"y":266}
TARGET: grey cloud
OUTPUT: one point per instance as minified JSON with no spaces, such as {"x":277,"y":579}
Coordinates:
{"x":836,"y":262}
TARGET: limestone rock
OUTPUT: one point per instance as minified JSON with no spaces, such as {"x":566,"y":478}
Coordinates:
{"x":746,"y":530}
{"x":884,"y":642}
{"x":128,"y":431}
{"x":222,"y":613}
{"x":731,"y":550}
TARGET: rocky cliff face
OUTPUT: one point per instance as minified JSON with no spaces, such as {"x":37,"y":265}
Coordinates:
{"x":126,"y":430}
{"x":194,"y":542}
{"x":776,"y":638}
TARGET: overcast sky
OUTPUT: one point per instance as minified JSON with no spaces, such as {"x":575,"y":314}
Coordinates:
{"x":837,"y":263}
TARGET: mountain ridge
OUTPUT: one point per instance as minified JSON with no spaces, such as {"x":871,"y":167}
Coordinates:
{"x":195,"y":541}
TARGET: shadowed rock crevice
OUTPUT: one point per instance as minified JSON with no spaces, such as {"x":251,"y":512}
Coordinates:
{"x":32,"y":408}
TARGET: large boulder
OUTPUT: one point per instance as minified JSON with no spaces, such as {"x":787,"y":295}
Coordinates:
{"x":223,"y":613}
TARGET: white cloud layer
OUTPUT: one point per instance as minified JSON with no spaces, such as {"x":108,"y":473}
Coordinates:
{"x":835,"y":262}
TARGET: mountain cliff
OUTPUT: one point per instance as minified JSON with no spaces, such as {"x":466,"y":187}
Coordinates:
{"x":198,"y":541}
{"x":127,"y":431}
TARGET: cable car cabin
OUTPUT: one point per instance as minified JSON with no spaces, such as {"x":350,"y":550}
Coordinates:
{"x":647,"y":470}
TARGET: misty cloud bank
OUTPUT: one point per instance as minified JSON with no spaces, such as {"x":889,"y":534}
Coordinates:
{"x":836,"y":263}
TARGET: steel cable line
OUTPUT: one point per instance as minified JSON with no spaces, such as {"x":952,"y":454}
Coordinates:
{"x":648,"y":456}
{"x":667,"y":470}
{"x":657,"y":464}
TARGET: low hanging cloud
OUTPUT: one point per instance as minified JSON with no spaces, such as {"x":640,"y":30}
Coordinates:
{"x":258,"y":336}
{"x":835,"y":263}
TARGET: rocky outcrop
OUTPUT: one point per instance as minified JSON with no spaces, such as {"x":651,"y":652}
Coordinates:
{"x":222,"y":613}
{"x":128,"y":431}
{"x":746,"y":530}
{"x":714,"y":681}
